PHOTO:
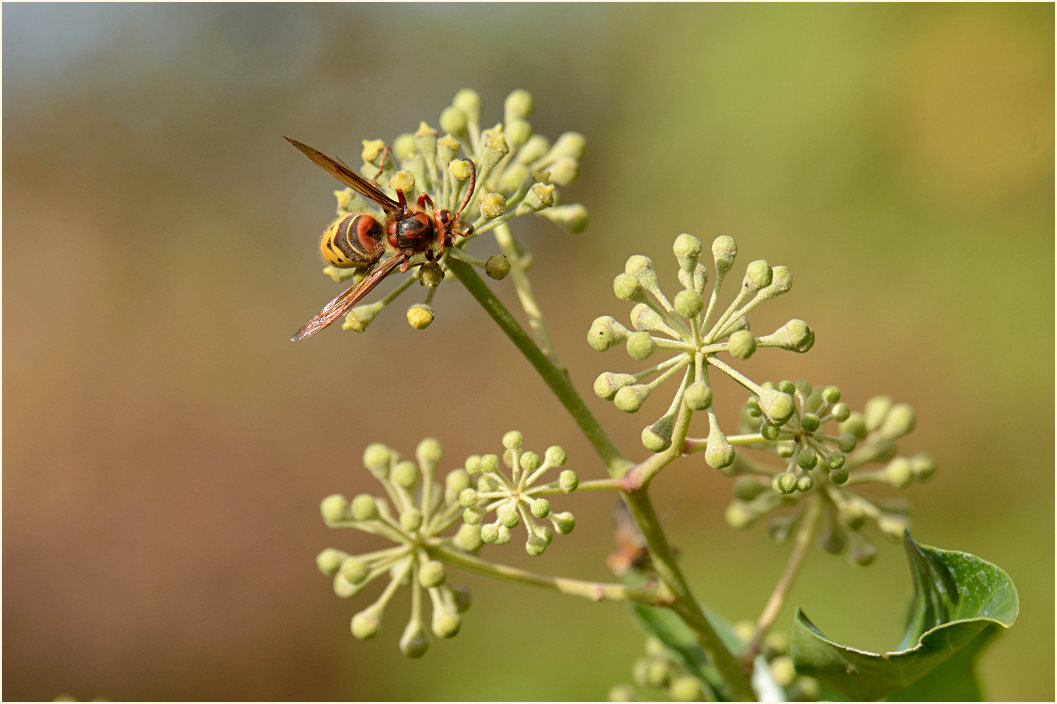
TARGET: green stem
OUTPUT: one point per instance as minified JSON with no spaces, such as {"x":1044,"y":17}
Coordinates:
{"x":653,"y":593}
{"x":792,"y":568}
{"x":555,"y":378}
{"x":505,"y":238}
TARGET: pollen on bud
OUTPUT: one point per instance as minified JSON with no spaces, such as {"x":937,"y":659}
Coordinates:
{"x":630,"y":398}
{"x":364,"y":507}
{"x":607,"y":384}
{"x":640,"y":345}
{"x":606,"y":332}
{"x":334,"y":508}
{"x":688,"y":303}
{"x":741,"y":344}
{"x":372,"y":150}
{"x":568,"y":481}
{"x":447,"y":148}
{"x":698,"y":396}
{"x":403,"y":181}
{"x":453,"y":120}
{"x":497,"y":266}
{"x":723,"y":252}
{"x":420,"y":316}
{"x":776,"y":405}
{"x":540,"y":196}
{"x":899,"y":421}
{"x":492,"y":204}
{"x":573,"y":217}
{"x":460,"y":169}
{"x":493,"y":147}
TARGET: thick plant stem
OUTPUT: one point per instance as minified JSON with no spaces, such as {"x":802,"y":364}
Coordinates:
{"x":618,"y":466}
{"x":555,"y":378}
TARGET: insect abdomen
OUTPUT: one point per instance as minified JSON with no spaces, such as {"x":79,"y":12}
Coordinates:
{"x":353,"y":240}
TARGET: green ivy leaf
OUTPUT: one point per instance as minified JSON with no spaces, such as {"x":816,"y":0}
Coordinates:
{"x":959,"y":601}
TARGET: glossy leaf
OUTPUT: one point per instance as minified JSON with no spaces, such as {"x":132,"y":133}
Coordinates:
{"x":959,"y":602}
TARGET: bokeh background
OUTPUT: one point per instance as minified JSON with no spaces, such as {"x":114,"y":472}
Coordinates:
{"x":166,"y":446}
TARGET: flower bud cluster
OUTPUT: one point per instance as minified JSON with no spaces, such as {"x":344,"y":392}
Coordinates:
{"x":691,"y":332}
{"x":413,"y":515}
{"x":660,"y":672}
{"x":827,"y":449}
{"x":516,"y":173}
{"x":508,"y":489}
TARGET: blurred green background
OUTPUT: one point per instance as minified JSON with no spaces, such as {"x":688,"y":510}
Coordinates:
{"x":166,"y":446}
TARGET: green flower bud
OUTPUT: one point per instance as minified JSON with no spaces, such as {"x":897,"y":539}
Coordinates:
{"x":658,"y":673}
{"x":781,"y":281}
{"x":540,"y":196}
{"x":640,"y":345}
{"x":923,"y":467}
{"x":855,"y":425}
{"x":628,"y":288}
{"x":785,"y":448}
{"x":631,"y":397}
{"x":719,"y":453}
{"x":564,"y":171}
{"x":569,"y":144}
{"x":535,"y":545}
{"x":364,"y":507}
{"x":468,"y":537}
{"x":411,"y":519}
{"x":840,"y":412}
{"x":334,"y":508}
{"x":805,"y":484}
{"x":519,"y":105}
{"x":376,"y":458}
{"x":468,"y":498}
{"x":555,"y":456}
{"x":517,"y":133}
{"x":469,"y":102}
{"x":405,"y":474}
{"x":497,"y":266}
{"x":540,"y":508}
{"x":863,"y":552}
{"x":446,"y":624}
{"x":769,"y":431}
{"x":776,"y":405}
{"x":644,"y":317}
{"x":605,"y":333}
{"x":839,"y":475}
{"x":512,"y":177}
{"x":568,"y":481}
{"x":622,"y":693}
{"x":807,"y":459}
{"x":456,"y":480}
{"x":431,"y":574}
{"x":685,"y":689}
{"x":741,"y":344}
{"x":607,"y":384}
{"x":658,"y":437}
{"x":453,"y":120}
{"x":784,"y":483}
{"x":564,"y":522}
{"x":573,"y":217}
{"x":757,"y":275}
{"x":329,"y":561}
{"x":899,"y":421}
{"x":641,"y":267}
{"x":875,"y":411}
{"x":530,"y":461}
{"x":508,"y":516}
{"x":492,"y":204}
{"x":831,"y":394}
{"x":892,"y":525}
{"x":739,"y":515}
{"x":835,"y":460}
{"x":832,"y":539}
{"x":533,"y":150}
{"x":899,"y":473}
{"x":723,"y":252}
{"x":698,"y":396}
{"x":489,"y":464}
{"x":810,"y":422}
{"x":354,"y":570}
{"x":360,"y":317}
{"x":429,"y":452}
{"x":513,"y":439}
{"x":689,"y":304}
{"x":687,"y":249}
{"x":490,"y":533}
{"x":415,"y":641}
{"x":799,"y":336}
{"x":367,"y":623}
{"x":473,"y":516}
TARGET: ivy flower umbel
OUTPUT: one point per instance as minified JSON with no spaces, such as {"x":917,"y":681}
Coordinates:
{"x":821,"y":460}
{"x":515,"y":497}
{"x":693,"y":331}
{"x":413,"y":516}
{"x":515,"y":171}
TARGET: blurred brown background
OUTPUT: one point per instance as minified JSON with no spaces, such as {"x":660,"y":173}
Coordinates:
{"x":166,"y":446}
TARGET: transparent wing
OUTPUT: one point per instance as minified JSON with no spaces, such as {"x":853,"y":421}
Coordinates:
{"x":345,"y":300}
{"x":347,"y":176}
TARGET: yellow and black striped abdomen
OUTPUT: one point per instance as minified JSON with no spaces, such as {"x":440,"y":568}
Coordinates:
{"x":353,"y":240}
